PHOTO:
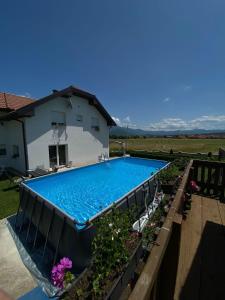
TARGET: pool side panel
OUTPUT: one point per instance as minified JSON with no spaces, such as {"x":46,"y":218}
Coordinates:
{"x":56,"y":232}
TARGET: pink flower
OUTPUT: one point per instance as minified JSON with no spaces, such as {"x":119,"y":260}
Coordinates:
{"x":66,"y":262}
{"x":60,"y":268}
{"x":58,"y":272}
{"x":54,"y":269}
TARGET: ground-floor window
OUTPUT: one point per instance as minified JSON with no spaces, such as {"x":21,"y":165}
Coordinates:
{"x":2,"y":149}
{"x":15,"y":151}
{"x":57,"y":155}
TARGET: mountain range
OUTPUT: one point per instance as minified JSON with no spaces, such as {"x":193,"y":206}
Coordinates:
{"x":123,"y":131}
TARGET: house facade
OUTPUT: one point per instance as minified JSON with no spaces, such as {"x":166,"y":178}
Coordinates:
{"x":67,"y":127}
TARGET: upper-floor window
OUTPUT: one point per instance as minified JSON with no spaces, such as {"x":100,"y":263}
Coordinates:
{"x":3,"y":149}
{"x":58,"y":118}
{"x":15,"y":151}
{"x":95,"y":123}
{"x":79,"y":118}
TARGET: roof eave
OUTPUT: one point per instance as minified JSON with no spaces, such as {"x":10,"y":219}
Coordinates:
{"x":67,"y":92}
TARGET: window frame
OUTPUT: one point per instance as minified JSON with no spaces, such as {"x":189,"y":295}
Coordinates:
{"x":3,"y":150}
{"x":55,"y":122}
{"x":95,"y":123}
{"x":15,"y":151}
{"x":79,"y":119}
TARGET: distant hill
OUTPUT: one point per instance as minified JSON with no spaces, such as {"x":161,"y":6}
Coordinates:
{"x":123,"y":132}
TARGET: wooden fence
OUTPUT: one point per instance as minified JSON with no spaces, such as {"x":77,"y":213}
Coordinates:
{"x":210,"y":176}
{"x":157,"y":278}
{"x":147,"y":286}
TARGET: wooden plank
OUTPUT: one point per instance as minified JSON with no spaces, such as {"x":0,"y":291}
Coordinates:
{"x":202,"y":183}
{"x":212,"y":251}
{"x":209,"y":179}
{"x":216,"y":178}
{"x":222,"y":184}
{"x":207,"y":163}
{"x":178,"y":218}
{"x":188,"y":276}
{"x":221,"y":207}
{"x":196,"y":173}
{"x":210,"y":211}
{"x":201,"y":262}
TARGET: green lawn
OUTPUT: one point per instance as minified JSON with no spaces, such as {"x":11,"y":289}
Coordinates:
{"x":9,"y":198}
{"x":165,"y":144}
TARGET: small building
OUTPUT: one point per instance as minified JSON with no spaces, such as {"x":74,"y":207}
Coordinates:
{"x":69,"y":126}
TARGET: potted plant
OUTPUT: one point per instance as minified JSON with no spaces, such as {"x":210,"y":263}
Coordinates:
{"x":116,"y":253}
{"x":61,"y":277}
{"x":181,"y":163}
{"x":168,"y":178}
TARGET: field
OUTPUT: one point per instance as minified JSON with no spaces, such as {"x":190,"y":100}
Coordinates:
{"x":165,"y":144}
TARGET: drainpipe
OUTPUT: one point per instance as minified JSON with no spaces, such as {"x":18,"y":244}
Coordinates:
{"x":24,"y":143}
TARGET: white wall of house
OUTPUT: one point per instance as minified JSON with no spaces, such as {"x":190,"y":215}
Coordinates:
{"x":11,"y":136}
{"x":84,"y":143}
{"x":4,"y":159}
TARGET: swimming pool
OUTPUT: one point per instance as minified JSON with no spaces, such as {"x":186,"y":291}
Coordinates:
{"x":84,"y":192}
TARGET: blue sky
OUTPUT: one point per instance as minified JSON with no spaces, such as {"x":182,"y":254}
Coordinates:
{"x":153,"y":64}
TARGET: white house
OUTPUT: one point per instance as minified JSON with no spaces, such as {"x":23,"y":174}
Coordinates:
{"x":67,"y":127}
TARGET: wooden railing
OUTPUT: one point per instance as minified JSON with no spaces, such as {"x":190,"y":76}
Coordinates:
{"x":146,"y":286}
{"x":210,"y":176}
{"x":160,"y":268}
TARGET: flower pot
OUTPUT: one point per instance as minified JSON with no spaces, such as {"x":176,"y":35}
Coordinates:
{"x":171,"y":186}
{"x":167,"y":188}
{"x":125,"y":277}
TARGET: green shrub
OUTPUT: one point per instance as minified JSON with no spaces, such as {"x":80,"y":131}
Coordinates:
{"x":165,"y":156}
{"x":109,"y":246}
{"x":169,"y":174}
{"x":181,"y":163}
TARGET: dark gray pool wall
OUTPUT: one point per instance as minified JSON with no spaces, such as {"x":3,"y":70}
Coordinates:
{"x":58,"y":231}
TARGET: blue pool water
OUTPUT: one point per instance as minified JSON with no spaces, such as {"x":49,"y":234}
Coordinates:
{"x":84,"y":192}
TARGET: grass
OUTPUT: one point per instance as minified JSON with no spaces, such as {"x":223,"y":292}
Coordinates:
{"x":165,"y":144}
{"x":9,"y":198}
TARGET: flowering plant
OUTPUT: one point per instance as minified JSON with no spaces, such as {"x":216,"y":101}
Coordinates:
{"x":59,"y":275}
{"x":109,"y":246}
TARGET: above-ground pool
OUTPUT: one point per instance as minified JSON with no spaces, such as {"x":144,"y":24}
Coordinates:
{"x":84,"y":192}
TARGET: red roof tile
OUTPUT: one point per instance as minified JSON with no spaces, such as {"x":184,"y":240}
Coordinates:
{"x":13,"y":102}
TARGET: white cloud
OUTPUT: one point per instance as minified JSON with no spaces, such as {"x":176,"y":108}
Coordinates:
{"x":124,"y":122}
{"x":117,"y":121}
{"x":202,"y":122}
{"x":167,"y":99}
{"x":27,"y":95}
{"x":187,"y":88}
{"x":127,"y":120}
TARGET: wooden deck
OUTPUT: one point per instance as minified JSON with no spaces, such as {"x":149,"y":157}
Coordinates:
{"x":201,"y":266}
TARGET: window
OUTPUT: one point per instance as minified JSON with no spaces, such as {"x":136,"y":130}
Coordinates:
{"x":57,"y":155}
{"x":58,"y":118}
{"x":79,"y":118}
{"x":95,"y":123}
{"x":2,"y":149}
{"x":15,"y":151}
